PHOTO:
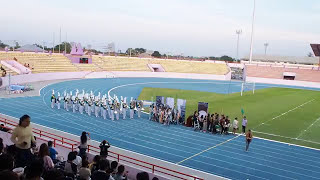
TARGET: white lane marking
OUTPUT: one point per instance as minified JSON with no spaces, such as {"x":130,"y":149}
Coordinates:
{"x":304,"y":131}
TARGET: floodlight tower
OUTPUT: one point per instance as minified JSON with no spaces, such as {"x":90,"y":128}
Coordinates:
{"x":252,"y":30}
{"x":238,"y":32}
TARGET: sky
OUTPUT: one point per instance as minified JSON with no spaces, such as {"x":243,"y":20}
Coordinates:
{"x":188,"y":27}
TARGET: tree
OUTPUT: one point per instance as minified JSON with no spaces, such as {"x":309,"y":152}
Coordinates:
{"x":140,"y":50}
{"x":156,"y":54}
{"x":17,"y":46}
{"x":68,"y":45}
{"x":2,"y":45}
{"x":226,"y":58}
{"x":133,"y":51}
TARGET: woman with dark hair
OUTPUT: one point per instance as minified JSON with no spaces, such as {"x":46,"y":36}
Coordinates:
{"x":22,"y":137}
{"x":83,"y":143}
{"x":44,"y":154}
{"x":94,"y":166}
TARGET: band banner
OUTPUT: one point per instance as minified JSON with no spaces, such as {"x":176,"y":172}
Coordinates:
{"x":203,"y":108}
{"x":170,"y":102}
{"x":159,"y":101}
{"x":181,"y":102}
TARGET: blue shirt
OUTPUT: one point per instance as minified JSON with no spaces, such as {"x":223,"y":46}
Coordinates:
{"x":53,"y":153}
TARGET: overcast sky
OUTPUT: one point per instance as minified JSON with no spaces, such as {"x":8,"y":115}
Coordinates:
{"x":191,"y":27}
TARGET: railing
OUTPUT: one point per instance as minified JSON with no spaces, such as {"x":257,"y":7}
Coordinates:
{"x":71,"y":144}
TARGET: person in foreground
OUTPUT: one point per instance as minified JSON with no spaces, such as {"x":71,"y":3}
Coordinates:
{"x":248,"y":139}
{"x":22,"y":137}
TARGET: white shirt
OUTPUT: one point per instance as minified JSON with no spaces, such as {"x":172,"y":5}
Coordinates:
{"x":235,"y":123}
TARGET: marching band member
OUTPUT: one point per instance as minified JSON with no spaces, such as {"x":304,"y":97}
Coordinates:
{"x":124,"y":108}
{"x":89,"y":106}
{"x":112,"y":108}
{"x":82,"y":103}
{"x":97,"y":107}
{"x":132,"y":106}
{"x":58,"y":100}
{"x":104,"y":111}
{"x":53,"y":99}
{"x":139,"y":106}
{"x":151,"y":111}
{"x":109,"y":107}
{"x":65,"y":100}
{"x":74,"y":103}
{"x":117,"y":109}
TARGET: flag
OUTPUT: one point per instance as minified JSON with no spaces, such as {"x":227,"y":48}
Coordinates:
{"x":242,"y":111}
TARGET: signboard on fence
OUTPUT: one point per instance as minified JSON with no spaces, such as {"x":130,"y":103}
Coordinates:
{"x":170,"y":102}
{"x":159,"y":101}
{"x":203,"y":108}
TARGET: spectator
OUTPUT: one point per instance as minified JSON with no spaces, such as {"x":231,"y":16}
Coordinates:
{"x":113,"y":168}
{"x":44,"y":155}
{"x":142,"y":176}
{"x":194,"y":118}
{"x":6,"y":162}
{"x":54,"y":174}
{"x":53,"y":153}
{"x":34,"y":170}
{"x":227,"y":125}
{"x":201,"y":119}
{"x":8,"y":175}
{"x":78,"y":160}
{"x":83,"y":143}
{"x":84,"y":172}
{"x":3,"y":128}
{"x":244,"y":124}
{"x":121,"y":174}
{"x":235,"y":125}
{"x":94,"y":166}
{"x":34,"y":148}
{"x":104,"y":146}
{"x":101,"y":173}
{"x":205,"y":123}
{"x":222,"y":124}
{"x":70,"y":167}
{"x":155,"y":178}
{"x":22,"y":137}
{"x":1,"y":146}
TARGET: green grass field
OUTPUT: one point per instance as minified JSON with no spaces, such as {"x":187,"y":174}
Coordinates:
{"x":282,"y":114}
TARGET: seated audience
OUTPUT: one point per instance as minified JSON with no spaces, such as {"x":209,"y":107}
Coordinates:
{"x":34,"y":170}
{"x":84,"y":172}
{"x":3,"y":128}
{"x":70,"y":167}
{"x":6,"y":162}
{"x":44,"y":155}
{"x":1,"y":146}
{"x":102,"y":174}
{"x":121,"y":174}
{"x":8,"y":175}
{"x":54,"y":174}
{"x":94,"y":166}
{"x":53,"y":153}
{"x":142,"y":176}
{"x":113,"y":168}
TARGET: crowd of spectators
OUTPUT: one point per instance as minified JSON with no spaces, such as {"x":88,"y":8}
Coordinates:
{"x":216,"y":123}
{"x":25,"y":162}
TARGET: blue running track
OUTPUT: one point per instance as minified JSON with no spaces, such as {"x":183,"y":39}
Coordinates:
{"x":265,"y":160}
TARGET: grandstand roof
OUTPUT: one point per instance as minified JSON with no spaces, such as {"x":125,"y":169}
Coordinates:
{"x":289,"y":59}
{"x":316,"y":49}
{"x":30,"y":48}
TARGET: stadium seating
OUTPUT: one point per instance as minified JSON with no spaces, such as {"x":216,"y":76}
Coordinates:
{"x":58,"y":63}
{"x":277,"y":73}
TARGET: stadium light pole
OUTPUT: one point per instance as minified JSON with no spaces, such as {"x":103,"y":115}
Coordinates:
{"x":265,"y":48}
{"x":59,"y":40}
{"x":238,"y":32}
{"x":53,"y":43}
{"x":252,"y":30}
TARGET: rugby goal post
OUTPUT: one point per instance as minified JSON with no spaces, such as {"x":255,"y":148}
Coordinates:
{"x":248,"y":86}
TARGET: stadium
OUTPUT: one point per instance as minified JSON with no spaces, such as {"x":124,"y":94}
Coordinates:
{"x":160,"y":116}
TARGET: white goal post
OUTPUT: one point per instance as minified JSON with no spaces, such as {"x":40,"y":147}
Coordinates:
{"x":248,"y":86}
